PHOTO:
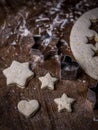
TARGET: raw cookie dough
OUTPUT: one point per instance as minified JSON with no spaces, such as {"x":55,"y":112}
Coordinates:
{"x":47,"y":81}
{"x":64,"y":103}
{"x":82,"y":51}
{"x":17,"y":73}
{"x":27,"y":108}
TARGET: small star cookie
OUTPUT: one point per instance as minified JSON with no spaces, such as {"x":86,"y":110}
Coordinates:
{"x":47,"y":81}
{"x":17,"y":73}
{"x":64,"y":103}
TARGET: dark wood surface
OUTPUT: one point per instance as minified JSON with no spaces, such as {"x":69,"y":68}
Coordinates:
{"x":47,"y":117}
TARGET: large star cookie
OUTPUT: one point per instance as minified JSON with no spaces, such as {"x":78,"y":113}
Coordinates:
{"x":84,"y":42}
{"x":64,"y":103}
{"x":17,"y":73}
{"x":47,"y":81}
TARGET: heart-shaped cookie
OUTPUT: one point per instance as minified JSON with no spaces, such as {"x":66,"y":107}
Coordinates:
{"x":28,"y":108}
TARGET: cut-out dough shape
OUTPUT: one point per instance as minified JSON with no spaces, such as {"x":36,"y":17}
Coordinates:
{"x":28,"y":108}
{"x":83,"y":52}
{"x":18,"y":73}
{"x":64,"y":103}
{"x":47,"y":81}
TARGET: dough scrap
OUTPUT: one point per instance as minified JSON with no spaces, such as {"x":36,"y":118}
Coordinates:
{"x":83,"y":52}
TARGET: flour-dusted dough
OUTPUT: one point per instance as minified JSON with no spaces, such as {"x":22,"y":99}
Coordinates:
{"x":27,"y":108}
{"x":64,"y":102}
{"x":82,"y":51}
{"x":47,"y":81}
{"x":18,"y":73}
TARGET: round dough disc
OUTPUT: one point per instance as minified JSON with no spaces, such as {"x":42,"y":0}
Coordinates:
{"x":82,"y":51}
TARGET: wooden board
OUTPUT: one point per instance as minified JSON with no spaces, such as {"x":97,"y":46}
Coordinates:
{"x":47,"y":118}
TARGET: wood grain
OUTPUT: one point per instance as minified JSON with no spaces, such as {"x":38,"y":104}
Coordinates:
{"x":47,"y":118}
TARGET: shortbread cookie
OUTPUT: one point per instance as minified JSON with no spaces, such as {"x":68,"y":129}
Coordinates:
{"x":47,"y":81}
{"x":17,"y":73}
{"x":64,"y":103}
{"x":28,"y":108}
{"x":82,"y":44}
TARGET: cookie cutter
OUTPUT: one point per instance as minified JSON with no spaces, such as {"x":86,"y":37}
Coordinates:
{"x":37,"y":40}
{"x":69,"y":68}
{"x":59,"y":45}
{"x":41,"y":40}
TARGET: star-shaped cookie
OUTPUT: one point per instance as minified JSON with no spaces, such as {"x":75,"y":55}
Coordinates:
{"x":47,"y":81}
{"x":64,"y":103}
{"x":17,"y":73}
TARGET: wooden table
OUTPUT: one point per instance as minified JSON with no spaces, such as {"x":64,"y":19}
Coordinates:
{"x":47,"y":118}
